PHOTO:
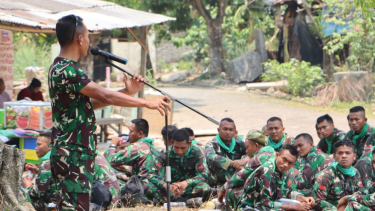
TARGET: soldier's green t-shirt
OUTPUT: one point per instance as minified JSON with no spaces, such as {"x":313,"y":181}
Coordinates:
{"x":72,"y":112}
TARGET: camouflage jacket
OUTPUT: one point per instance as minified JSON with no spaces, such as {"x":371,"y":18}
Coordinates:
{"x":266,"y":186}
{"x":219,"y":160}
{"x":44,"y":187}
{"x":365,"y":169}
{"x":308,"y":167}
{"x":191,"y":168}
{"x":361,"y":143}
{"x":257,"y":159}
{"x":370,"y":144}
{"x":72,"y":112}
{"x":134,"y":155}
{"x":287,"y":140}
{"x":337,"y":136}
{"x":105,"y":174}
{"x":125,"y":170}
{"x":331,"y":185}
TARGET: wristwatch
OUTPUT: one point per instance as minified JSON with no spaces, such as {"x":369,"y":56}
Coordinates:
{"x":112,"y":146}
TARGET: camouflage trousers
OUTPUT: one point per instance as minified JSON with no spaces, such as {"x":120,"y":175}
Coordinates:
{"x":200,"y":190}
{"x":233,"y":196}
{"x":73,"y":172}
{"x":355,"y":206}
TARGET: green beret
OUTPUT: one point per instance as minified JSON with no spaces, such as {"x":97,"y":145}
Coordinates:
{"x":257,"y":136}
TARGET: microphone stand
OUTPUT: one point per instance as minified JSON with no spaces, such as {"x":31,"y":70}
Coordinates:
{"x":164,"y":93}
{"x":168,"y":168}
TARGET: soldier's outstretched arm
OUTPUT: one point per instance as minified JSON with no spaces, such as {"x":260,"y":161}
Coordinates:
{"x":125,"y":157}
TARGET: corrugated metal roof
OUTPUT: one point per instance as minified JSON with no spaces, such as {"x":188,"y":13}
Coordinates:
{"x":97,"y":15}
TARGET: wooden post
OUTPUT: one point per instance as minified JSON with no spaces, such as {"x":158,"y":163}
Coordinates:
{"x":142,"y":72}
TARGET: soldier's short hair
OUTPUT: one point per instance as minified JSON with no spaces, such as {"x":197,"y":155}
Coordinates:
{"x":227,"y":119}
{"x":357,"y":109}
{"x":180,"y":135}
{"x":141,"y":125}
{"x":189,"y":130}
{"x":344,"y":142}
{"x":305,"y":136}
{"x":65,"y":27}
{"x":171,"y":129}
{"x":291,"y":148}
{"x":326,"y":117}
{"x":275,"y":118}
{"x":47,"y":135}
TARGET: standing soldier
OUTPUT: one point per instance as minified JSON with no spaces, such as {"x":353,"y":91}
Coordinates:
{"x":224,"y":154}
{"x":310,"y":162}
{"x":189,"y":172}
{"x":276,"y":135}
{"x":259,"y":154}
{"x":73,"y":100}
{"x":338,"y":180}
{"x":329,"y":134}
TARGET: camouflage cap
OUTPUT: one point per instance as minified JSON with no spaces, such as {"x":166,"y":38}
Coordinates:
{"x":257,"y":136}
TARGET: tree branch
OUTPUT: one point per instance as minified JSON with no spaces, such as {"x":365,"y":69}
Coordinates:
{"x":222,"y":4}
{"x":197,"y":4}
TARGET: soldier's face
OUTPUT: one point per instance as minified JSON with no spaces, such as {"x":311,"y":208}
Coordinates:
{"x":42,"y":147}
{"x":357,"y":121}
{"x":134,"y":134}
{"x":284,"y":161}
{"x":303,"y":147}
{"x":275,"y":130}
{"x":84,"y":42}
{"x":251,"y":147}
{"x":226,"y":130}
{"x":181,"y":147}
{"x":326,"y":129}
{"x":344,"y":156}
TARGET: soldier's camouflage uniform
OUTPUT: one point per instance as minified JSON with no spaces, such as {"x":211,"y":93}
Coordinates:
{"x":324,"y":142}
{"x":331,"y":185}
{"x":287,"y":140}
{"x":370,"y":144}
{"x":105,"y":174}
{"x":125,"y":170}
{"x":266,"y":186}
{"x":73,"y":151}
{"x":219,"y":160}
{"x":235,"y":185}
{"x":43,"y":191}
{"x":191,"y":168}
{"x":361,"y":143}
{"x":308,"y":168}
{"x":136,"y":155}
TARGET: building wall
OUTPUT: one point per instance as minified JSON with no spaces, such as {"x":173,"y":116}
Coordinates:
{"x":169,"y":53}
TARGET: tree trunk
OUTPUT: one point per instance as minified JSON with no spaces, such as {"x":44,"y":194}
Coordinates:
{"x":216,"y":48}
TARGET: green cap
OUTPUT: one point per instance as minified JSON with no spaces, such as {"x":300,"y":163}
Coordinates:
{"x":257,"y":136}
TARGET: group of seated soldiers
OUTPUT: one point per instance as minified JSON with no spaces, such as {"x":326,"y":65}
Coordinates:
{"x":251,"y":174}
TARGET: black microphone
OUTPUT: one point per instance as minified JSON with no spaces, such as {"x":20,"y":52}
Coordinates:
{"x":96,"y":51}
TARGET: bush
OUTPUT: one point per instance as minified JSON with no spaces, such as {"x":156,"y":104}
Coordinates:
{"x":301,"y":76}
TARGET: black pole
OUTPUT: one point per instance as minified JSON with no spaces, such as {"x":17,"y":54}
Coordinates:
{"x":165,"y":93}
{"x":168,"y":168}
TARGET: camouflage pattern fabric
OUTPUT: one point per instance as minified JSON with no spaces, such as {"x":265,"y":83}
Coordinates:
{"x":125,"y":170}
{"x":191,"y":168}
{"x":266,"y":185}
{"x":357,"y":206}
{"x":73,"y":172}
{"x":134,"y":155}
{"x":365,"y":169}
{"x":219,"y":160}
{"x":331,"y":185}
{"x":370,"y":144}
{"x":362,"y":143}
{"x":105,"y":174}
{"x":43,"y":191}
{"x":308,"y":167}
{"x":288,"y":140}
{"x":337,"y":136}
{"x":235,"y":185}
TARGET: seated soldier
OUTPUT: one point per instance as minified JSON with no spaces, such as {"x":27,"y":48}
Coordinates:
{"x":329,"y":134}
{"x":189,"y":171}
{"x":277,"y":137}
{"x":310,"y":162}
{"x":171,"y":129}
{"x":366,"y":200}
{"x":259,"y":154}
{"x":224,"y":153}
{"x":123,"y":142}
{"x":360,"y":131}
{"x":43,"y":191}
{"x":317,"y":131}
{"x":272,"y":181}
{"x":191,"y":136}
{"x":339,"y":179}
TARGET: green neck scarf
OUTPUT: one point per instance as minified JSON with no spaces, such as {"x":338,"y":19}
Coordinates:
{"x":349,"y":172}
{"x":221,"y":143}
{"x":361,"y":135}
{"x":276,"y":145}
{"x":194,"y":142}
{"x":97,"y":152}
{"x":329,"y":142}
{"x":148,"y":140}
{"x":187,"y":152}
{"x":267,"y":149}
{"x":46,"y":156}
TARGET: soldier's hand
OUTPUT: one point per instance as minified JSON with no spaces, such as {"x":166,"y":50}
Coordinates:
{"x":310,"y":201}
{"x":343,"y":201}
{"x":175,"y":189}
{"x":33,"y":168}
{"x":341,"y":208}
{"x":124,"y":177}
{"x":181,"y":186}
{"x":236,"y":164}
{"x":116,"y":140}
{"x":303,"y":206}
{"x":27,"y":182}
{"x":159,"y":104}
{"x":220,"y":196}
{"x":133,"y":85}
